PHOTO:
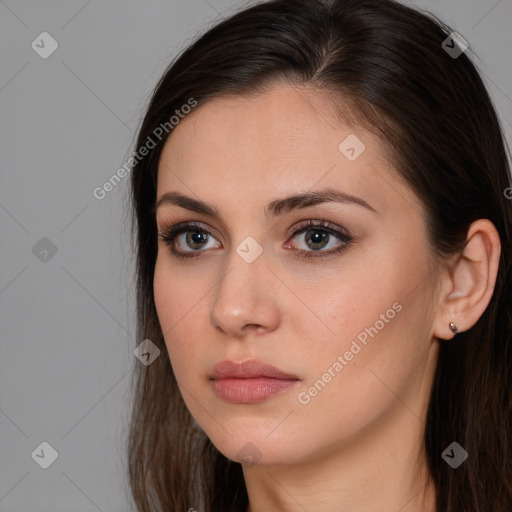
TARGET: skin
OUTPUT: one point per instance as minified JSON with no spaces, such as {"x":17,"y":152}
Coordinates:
{"x":358,"y":443}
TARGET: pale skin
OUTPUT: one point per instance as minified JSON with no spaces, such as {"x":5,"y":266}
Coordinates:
{"x":358,"y":443}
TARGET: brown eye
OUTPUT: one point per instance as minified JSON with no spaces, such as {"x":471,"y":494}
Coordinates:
{"x":318,"y":236}
{"x":196,"y":239}
{"x":190,"y":238}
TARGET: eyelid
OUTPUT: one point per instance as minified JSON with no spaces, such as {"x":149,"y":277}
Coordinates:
{"x":169,"y":233}
{"x":184,"y":226}
{"x":345,"y":239}
{"x":318,"y":223}
{"x":293,"y":231}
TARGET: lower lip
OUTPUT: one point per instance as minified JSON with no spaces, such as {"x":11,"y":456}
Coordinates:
{"x":250,"y":391}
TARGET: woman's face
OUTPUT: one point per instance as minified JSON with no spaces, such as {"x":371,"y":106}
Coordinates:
{"x":352,"y":326}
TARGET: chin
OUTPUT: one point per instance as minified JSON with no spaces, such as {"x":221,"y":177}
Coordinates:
{"x":256,"y":448}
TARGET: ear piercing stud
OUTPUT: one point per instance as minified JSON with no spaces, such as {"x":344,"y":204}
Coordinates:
{"x":453,"y":328}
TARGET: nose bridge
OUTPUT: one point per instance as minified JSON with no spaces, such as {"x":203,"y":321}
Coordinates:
{"x":243,"y":295}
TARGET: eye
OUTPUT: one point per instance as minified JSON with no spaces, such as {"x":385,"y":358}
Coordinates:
{"x":317,"y":236}
{"x":189,"y":234}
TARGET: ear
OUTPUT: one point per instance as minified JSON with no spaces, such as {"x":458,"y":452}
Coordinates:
{"x":468,"y":286}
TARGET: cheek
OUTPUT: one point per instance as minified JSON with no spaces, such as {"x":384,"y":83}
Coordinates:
{"x":371,"y":341}
{"x":179,"y":300}
{"x":338,"y":307}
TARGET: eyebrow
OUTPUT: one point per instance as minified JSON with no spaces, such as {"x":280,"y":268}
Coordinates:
{"x":273,"y":209}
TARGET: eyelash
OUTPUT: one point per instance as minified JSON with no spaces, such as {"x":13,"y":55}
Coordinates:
{"x":168,"y":235}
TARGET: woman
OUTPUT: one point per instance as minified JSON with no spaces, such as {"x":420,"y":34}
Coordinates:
{"x":323,"y":259}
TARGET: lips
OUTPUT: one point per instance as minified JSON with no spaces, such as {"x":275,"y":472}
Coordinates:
{"x":249,"y":382}
{"x":248,"y":370}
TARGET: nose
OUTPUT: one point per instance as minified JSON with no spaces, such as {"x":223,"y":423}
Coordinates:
{"x":245,"y":300}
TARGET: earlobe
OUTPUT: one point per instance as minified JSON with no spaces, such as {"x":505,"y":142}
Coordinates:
{"x":469,"y":284}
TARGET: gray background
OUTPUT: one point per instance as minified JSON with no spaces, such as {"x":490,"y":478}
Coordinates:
{"x":67,"y":124}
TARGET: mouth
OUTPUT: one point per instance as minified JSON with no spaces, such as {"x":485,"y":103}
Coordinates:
{"x":249,"y":382}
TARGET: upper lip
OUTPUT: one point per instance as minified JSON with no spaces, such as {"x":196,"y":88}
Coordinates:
{"x":248,"y":370}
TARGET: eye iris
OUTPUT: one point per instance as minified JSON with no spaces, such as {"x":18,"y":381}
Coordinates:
{"x":196,"y":237}
{"x":318,"y":238}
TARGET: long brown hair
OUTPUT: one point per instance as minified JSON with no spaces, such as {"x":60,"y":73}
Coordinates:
{"x":435,"y":116}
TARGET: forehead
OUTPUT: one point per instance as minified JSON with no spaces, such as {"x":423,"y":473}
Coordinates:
{"x":260,"y":146}
{"x":279,"y":124}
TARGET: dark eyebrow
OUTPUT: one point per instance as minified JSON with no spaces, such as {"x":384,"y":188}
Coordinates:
{"x":273,"y":209}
